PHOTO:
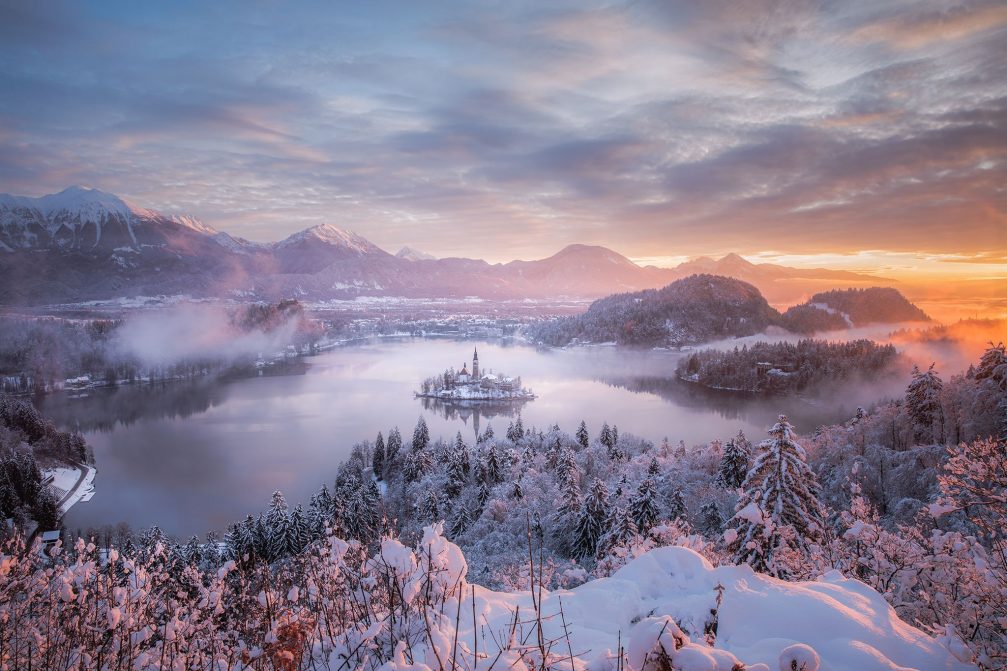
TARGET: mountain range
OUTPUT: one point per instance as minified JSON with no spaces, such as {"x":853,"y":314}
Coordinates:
{"x":84,"y":244}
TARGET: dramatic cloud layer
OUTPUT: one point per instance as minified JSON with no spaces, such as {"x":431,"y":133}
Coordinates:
{"x":507,"y":130}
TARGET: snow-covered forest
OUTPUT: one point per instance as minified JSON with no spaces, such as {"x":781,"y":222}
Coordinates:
{"x":784,"y":367}
{"x":905,"y":497}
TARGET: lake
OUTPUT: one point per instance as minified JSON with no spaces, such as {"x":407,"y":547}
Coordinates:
{"x":195,"y":456}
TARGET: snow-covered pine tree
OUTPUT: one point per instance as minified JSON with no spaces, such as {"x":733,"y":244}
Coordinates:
{"x":368,"y":511}
{"x":515,"y":431}
{"x":680,"y":450}
{"x":592,"y":523}
{"x":247,"y":545}
{"x":421,"y":435}
{"x":733,"y":465}
{"x":622,"y":529}
{"x":780,"y":491}
{"x":261,"y":536}
{"x":517,"y":491}
{"x":743,"y":443}
{"x":393,"y":457}
{"x":605,"y":436}
{"x":430,"y":506}
{"x":711,"y":522}
{"x":378,"y":460}
{"x":462,"y":452}
{"x":487,"y":434}
{"x":923,"y":400}
{"x":643,"y":507}
{"x":190,"y":552}
{"x":456,"y":473}
{"x":676,"y":505}
{"x":583,"y":438}
{"x":300,"y":533}
{"x":492,"y":466}
{"x":460,"y":520}
{"x":278,"y":527}
{"x":653,"y":468}
{"x":232,"y":540}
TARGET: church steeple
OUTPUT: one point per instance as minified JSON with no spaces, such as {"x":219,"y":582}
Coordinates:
{"x":475,"y":363}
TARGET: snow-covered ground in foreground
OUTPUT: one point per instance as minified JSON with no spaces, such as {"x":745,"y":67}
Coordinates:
{"x":830,"y":624}
{"x":64,"y":485}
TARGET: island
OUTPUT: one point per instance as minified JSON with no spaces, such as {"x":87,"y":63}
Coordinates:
{"x":477,"y":385}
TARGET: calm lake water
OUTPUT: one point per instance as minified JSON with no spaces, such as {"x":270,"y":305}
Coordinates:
{"x":195,"y":456}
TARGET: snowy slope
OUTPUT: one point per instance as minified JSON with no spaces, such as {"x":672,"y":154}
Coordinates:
{"x":670,"y":593}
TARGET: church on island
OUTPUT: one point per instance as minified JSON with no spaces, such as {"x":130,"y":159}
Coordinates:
{"x":476,"y":385}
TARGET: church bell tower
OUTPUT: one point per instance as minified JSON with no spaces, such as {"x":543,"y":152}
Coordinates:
{"x":475,"y":363}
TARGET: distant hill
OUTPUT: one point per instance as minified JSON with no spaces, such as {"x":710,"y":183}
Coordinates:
{"x":839,"y":309}
{"x":692,"y":310}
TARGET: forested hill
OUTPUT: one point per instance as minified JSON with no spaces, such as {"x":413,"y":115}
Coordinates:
{"x":842,"y":308}
{"x":695,"y":309}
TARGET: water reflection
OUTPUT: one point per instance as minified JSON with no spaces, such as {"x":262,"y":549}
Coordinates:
{"x":106,"y":408}
{"x":476,"y":411}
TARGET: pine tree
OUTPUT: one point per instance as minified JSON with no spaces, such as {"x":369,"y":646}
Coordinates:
{"x":653,"y":468}
{"x":923,"y":400}
{"x":743,"y":443}
{"x":190,"y":553}
{"x":676,"y":505}
{"x":261,"y":536}
{"x":430,"y":506}
{"x":779,"y":506}
{"x":517,"y":492}
{"x":368,"y":515}
{"x":456,"y":474}
{"x":605,"y":437}
{"x":232,"y":540}
{"x":462,"y":452}
{"x":378,"y":461}
{"x":582,"y":435}
{"x":643,"y":507}
{"x":622,"y":529}
{"x":487,"y":434}
{"x":515,"y":432}
{"x":492,"y":467}
{"x":593,"y":520}
{"x":460,"y":521}
{"x":277,"y":528}
{"x":393,"y":448}
{"x":680,"y":450}
{"x":711,"y":522}
{"x":421,"y":436}
{"x":300,"y":534}
{"x":733,"y":466}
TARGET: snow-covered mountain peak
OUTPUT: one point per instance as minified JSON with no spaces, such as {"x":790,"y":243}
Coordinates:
{"x":80,"y":200}
{"x":333,"y":236}
{"x":411,"y":254}
{"x":194,"y":224}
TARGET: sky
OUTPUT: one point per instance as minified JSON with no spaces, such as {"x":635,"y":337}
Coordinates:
{"x":863,"y":135}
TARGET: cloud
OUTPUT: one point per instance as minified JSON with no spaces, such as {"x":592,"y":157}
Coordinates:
{"x":510,"y":130}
